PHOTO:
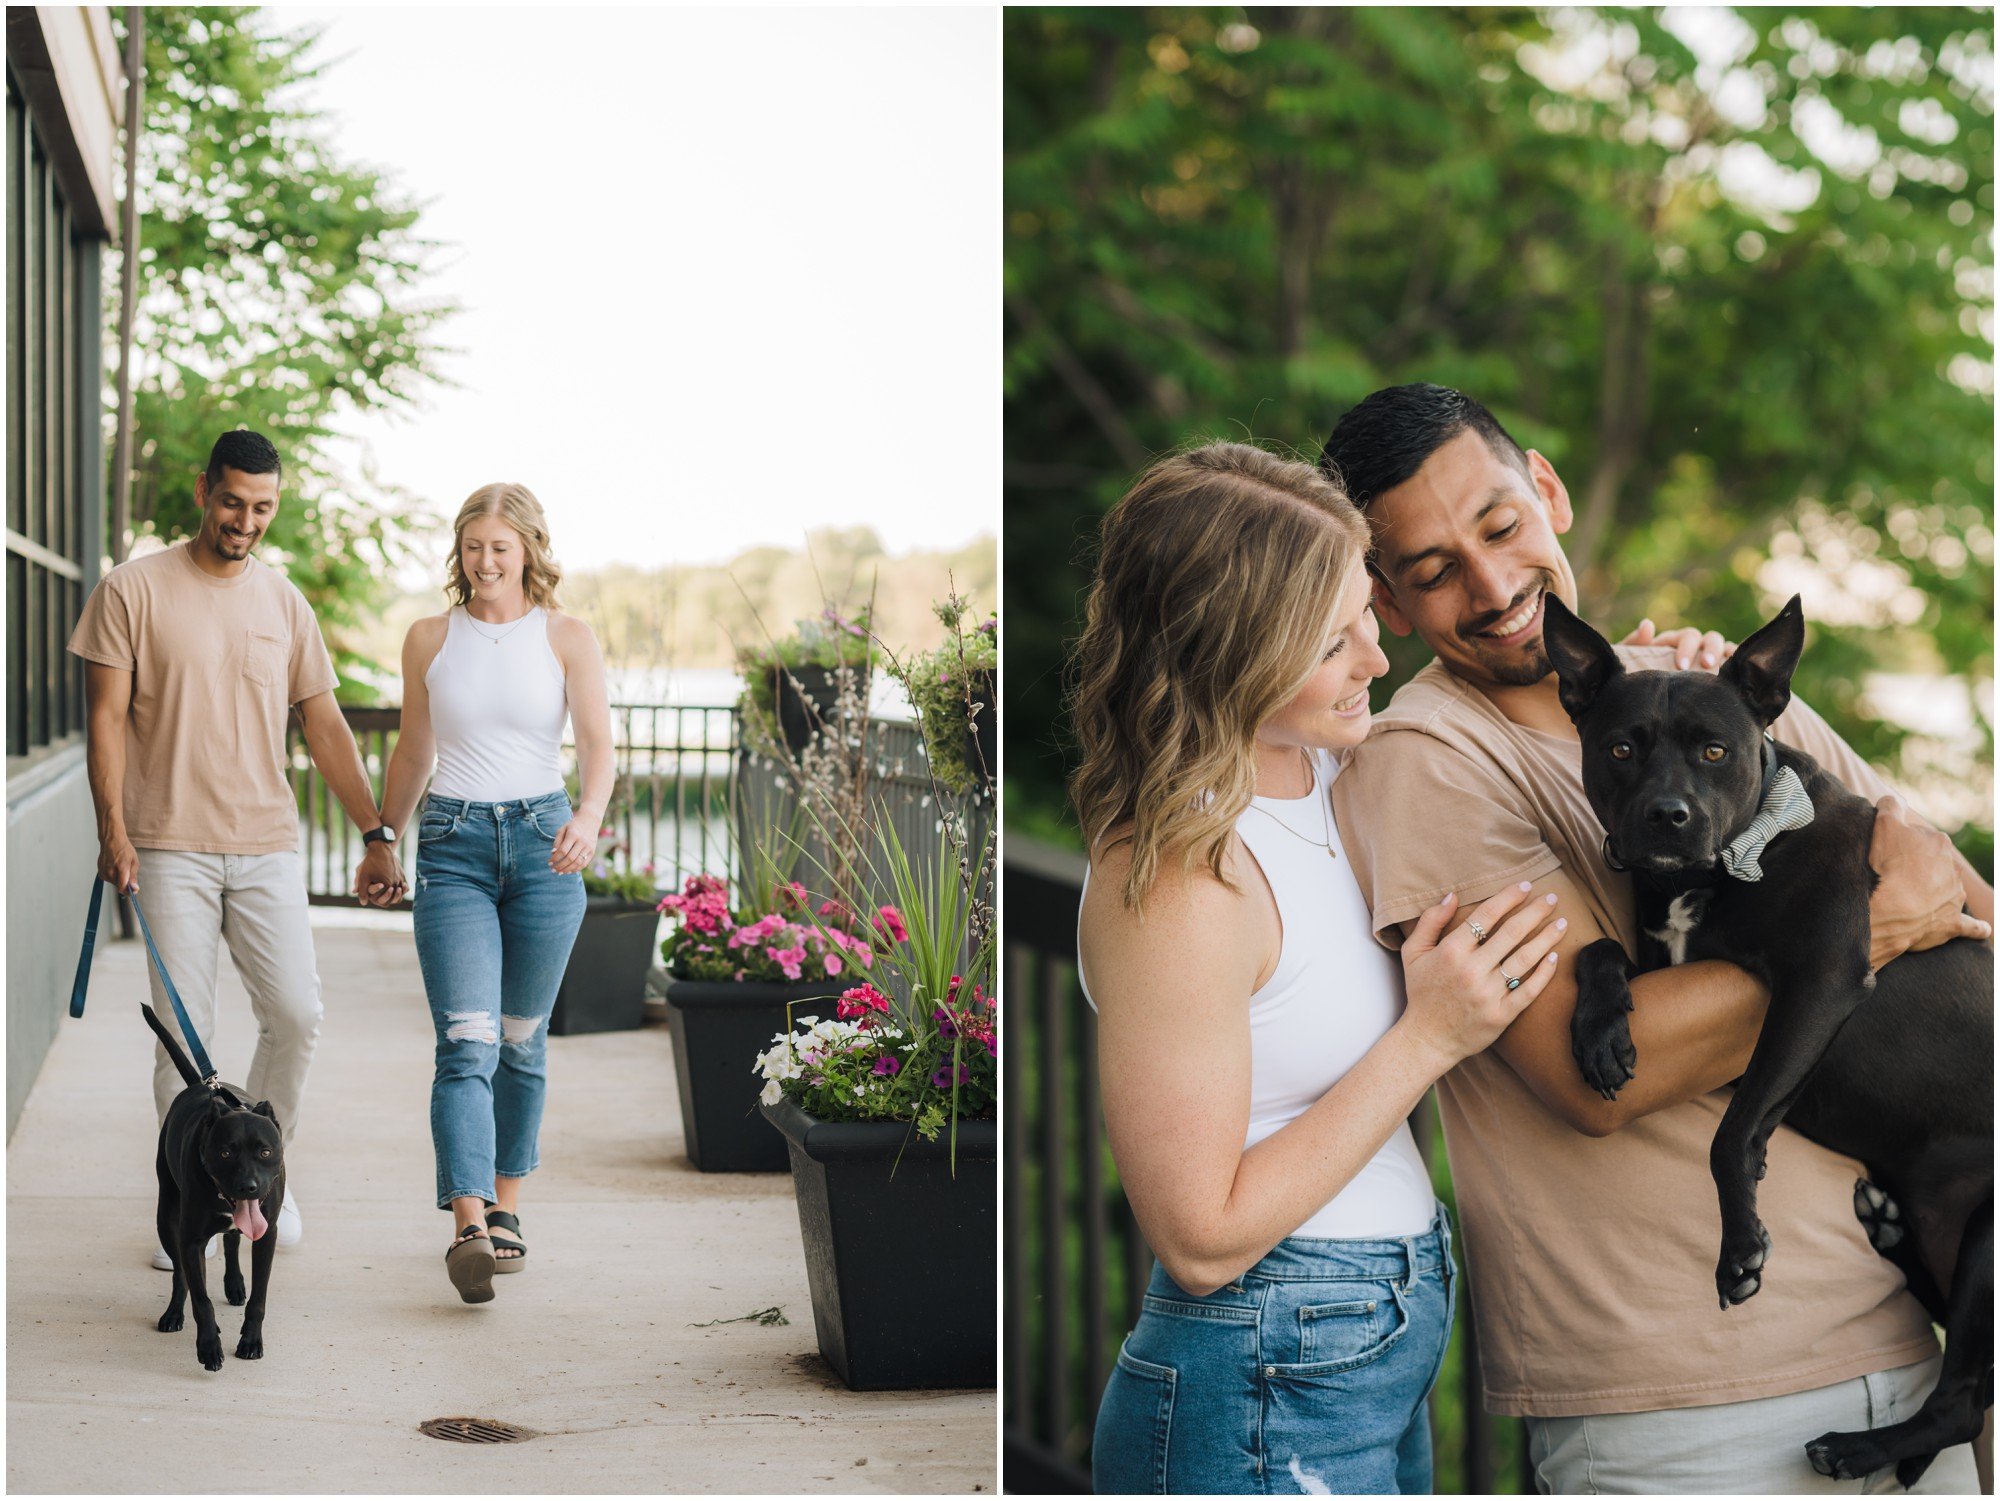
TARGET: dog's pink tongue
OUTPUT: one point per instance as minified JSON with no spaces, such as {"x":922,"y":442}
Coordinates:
{"x":248,"y":1216}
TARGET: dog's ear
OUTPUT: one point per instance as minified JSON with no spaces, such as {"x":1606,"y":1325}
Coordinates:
{"x":263,"y":1108}
{"x":1762,"y":668}
{"x":1583,"y":660}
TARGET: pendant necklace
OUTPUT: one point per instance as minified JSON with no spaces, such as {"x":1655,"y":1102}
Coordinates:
{"x":1325,"y":815}
{"x":512,"y":627}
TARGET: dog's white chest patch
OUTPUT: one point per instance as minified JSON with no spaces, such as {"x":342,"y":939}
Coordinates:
{"x":1683,"y":917}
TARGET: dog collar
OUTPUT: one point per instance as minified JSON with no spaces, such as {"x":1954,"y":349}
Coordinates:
{"x":1786,"y":806}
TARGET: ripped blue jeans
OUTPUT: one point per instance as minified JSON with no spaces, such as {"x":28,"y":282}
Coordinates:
{"x":494,"y":930}
{"x":1308,"y":1376}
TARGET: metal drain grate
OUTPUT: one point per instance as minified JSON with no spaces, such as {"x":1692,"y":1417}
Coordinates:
{"x":475,"y":1430}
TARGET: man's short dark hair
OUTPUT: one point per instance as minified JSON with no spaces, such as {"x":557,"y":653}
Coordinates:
{"x":245,"y":452}
{"x":1389,"y":436}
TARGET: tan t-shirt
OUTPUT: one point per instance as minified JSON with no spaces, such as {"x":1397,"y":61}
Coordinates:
{"x":1592,"y":1259}
{"x":216,"y":665}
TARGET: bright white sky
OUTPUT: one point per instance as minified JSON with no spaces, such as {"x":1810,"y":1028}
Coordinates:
{"x":726,"y":274}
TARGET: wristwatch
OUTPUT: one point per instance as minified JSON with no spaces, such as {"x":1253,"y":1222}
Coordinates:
{"x":380,"y":834}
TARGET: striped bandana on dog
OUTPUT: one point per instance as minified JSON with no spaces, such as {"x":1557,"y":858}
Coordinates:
{"x":1786,"y":806}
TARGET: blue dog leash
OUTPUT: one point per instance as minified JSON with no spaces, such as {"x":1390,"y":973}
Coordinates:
{"x":82,"y":986}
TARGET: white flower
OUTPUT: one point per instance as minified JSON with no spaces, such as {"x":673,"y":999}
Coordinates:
{"x":773,"y":1092}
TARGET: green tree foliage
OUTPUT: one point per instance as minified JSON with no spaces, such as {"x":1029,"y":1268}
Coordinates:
{"x":280,"y":289}
{"x":1731,"y":274}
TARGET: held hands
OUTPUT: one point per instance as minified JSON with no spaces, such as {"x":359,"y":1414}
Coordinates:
{"x":378,"y":879}
{"x":576,"y":845}
{"x":118,"y":863}
{"x":1688,"y":642}
{"x":1918,"y":900}
{"x":1457,"y":986}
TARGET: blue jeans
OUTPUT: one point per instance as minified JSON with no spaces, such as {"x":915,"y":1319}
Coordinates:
{"x":494,"y":930}
{"x":1307,"y":1376}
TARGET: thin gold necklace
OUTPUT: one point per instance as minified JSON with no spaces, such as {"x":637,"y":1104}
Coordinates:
{"x":1325,"y":816}
{"x":512,"y":626}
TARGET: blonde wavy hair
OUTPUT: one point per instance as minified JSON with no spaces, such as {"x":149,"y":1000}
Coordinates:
{"x":1217,"y":577}
{"x":516,"y":505}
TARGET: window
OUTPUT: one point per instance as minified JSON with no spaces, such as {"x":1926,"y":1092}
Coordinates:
{"x":53,"y":406}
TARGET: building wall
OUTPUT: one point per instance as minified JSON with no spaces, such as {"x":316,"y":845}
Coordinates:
{"x":51,"y":856}
{"x":64,"y":91}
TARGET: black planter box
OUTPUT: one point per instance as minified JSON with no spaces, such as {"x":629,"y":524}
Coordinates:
{"x":900,"y":1253}
{"x":604,"y":987}
{"x":809,"y":698}
{"x":719,"y":1028}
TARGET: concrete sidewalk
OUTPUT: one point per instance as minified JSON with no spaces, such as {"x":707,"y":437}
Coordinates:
{"x":591,"y":1346}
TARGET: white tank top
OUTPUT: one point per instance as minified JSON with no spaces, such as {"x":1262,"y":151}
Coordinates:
{"x":1333,"y":994}
{"x":498,"y":703}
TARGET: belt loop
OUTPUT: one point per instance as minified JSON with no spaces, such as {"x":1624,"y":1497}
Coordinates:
{"x":1409,"y":1264}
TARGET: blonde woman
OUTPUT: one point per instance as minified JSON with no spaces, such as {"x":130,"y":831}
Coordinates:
{"x":487,"y":687}
{"x":1260,"y":1054}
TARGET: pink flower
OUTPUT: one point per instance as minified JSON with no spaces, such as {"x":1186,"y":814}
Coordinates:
{"x":862,"y":1000}
{"x":891,"y":923}
{"x":833,"y":964}
{"x":792,"y":894}
{"x":835,"y":914}
{"x":788,"y":960}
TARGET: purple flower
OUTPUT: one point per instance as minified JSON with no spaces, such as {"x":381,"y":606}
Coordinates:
{"x":947,"y":1026}
{"x":887,"y":1067}
{"x":943,"y":1079}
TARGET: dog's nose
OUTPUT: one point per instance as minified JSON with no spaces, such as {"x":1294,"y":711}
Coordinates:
{"x":1668,"y":810}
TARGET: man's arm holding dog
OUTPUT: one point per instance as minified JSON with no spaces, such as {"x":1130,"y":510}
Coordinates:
{"x":108,"y":695}
{"x":1694,"y":1025}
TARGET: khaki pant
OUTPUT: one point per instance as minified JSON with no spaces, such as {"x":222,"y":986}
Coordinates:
{"x":1741,"y":1448}
{"x":257,"y":904}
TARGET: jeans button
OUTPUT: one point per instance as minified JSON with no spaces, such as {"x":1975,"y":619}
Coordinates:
{"x":1270,"y":1370}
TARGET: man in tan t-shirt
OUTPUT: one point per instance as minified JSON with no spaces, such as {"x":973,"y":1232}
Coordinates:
{"x":195,"y":656}
{"x":1591,"y":1225}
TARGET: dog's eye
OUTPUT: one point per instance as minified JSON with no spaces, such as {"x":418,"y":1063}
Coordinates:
{"x":1714,"y":752}
{"x":222,"y":1152}
{"x":265,"y":1153}
{"x":1621,"y":751}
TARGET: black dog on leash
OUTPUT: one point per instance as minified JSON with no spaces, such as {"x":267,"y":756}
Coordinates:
{"x":1748,"y":851}
{"x":222,"y":1168}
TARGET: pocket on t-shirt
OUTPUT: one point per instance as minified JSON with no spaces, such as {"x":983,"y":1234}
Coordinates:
{"x":264,"y":658}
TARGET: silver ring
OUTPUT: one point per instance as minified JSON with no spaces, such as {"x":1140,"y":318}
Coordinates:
{"x":1512,"y":983}
{"x":1479,"y":934}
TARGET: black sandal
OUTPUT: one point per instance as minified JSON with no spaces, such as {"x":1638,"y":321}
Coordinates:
{"x":505,"y":1232}
{"x":470,"y":1264}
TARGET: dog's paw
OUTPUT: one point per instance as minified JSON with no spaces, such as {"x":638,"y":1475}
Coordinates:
{"x":1846,"y":1456}
{"x":232,"y":1289}
{"x":1879,"y":1214}
{"x":250,"y":1346}
{"x":208,"y":1350}
{"x":1910,"y":1471}
{"x":1601,"y":1042}
{"x":170,"y":1322}
{"x":1739,"y":1272}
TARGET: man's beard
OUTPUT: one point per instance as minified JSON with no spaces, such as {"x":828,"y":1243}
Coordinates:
{"x":1525,"y":674}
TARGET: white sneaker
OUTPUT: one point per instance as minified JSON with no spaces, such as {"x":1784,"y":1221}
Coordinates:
{"x":290,"y":1226}
{"x":162,"y":1262}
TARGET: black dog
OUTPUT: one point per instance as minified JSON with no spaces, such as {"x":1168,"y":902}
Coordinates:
{"x":222,"y":1168}
{"x":1895,"y":1068}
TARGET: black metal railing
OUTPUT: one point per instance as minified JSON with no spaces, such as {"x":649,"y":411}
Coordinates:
{"x":1076,"y":1264}
{"x":674,"y":763}
{"x":679,"y":768}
